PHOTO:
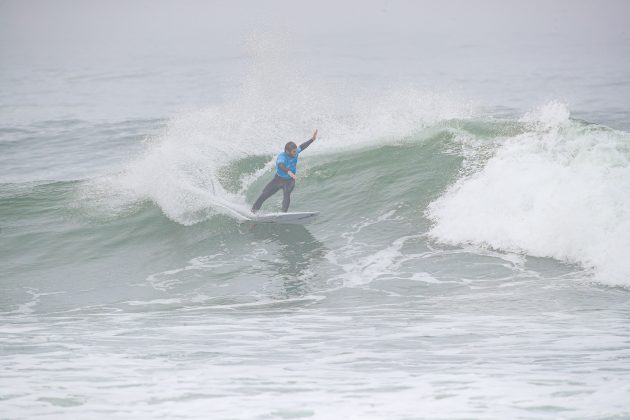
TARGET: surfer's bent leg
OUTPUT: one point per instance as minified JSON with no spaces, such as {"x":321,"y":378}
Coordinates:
{"x":286,"y":189}
{"x":270,"y":189}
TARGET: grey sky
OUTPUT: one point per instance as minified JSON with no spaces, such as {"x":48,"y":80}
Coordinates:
{"x":170,"y":25}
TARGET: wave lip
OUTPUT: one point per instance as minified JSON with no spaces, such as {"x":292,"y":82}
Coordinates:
{"x":559,"y":190}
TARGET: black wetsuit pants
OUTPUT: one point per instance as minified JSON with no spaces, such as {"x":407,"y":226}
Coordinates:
{"x":277,"y":183}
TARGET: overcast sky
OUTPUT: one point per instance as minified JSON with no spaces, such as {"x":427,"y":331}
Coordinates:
{"x":181,"y":25}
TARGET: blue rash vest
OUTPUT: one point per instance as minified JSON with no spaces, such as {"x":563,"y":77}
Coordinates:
{"x":289,"y":162}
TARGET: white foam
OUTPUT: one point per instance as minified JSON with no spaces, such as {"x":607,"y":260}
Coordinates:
{"x":560,"y":190}
{"x":361,"y":263}
{"x":168,"y":279}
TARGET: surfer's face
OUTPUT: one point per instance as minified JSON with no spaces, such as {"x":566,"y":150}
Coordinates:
{"x":292,"y":152}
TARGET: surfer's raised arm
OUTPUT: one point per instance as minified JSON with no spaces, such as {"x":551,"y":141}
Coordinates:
{"x":308,"y":143}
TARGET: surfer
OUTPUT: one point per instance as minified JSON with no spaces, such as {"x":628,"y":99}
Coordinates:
{"x":284,"y":179}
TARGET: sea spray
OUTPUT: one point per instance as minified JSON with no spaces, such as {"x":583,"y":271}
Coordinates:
{"x":179,"y":170}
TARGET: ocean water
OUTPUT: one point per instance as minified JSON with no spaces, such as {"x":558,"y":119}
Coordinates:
{"x":472,"y":254}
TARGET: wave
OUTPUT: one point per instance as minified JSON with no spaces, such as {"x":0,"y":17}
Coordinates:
{"x":559,"y":189}
{"x":545,"y":185}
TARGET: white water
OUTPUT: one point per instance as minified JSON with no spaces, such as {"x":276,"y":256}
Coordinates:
{"x":558,"y":190}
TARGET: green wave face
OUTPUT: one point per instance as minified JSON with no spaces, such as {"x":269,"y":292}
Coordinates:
{"x":408,"y":192}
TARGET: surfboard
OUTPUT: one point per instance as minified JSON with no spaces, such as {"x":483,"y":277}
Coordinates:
{"x":293,"y":218}
{"x":243,"y":215}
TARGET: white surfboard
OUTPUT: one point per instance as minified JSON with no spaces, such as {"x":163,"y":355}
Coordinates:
{"x":244,"y":215}
{"x":293,"y":218}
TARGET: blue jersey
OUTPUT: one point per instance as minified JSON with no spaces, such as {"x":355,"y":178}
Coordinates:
{"x":289,"y":162}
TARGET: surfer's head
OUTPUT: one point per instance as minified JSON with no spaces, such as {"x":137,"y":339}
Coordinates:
{"x":290,"y":149}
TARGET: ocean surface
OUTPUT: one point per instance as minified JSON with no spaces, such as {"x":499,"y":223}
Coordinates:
{"x":471,"y":258}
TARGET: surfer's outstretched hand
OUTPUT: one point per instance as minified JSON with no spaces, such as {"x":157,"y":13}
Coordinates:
{"x":314,"y":135}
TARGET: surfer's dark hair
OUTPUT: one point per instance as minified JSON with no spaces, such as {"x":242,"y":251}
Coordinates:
{"x":290,"y":146}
